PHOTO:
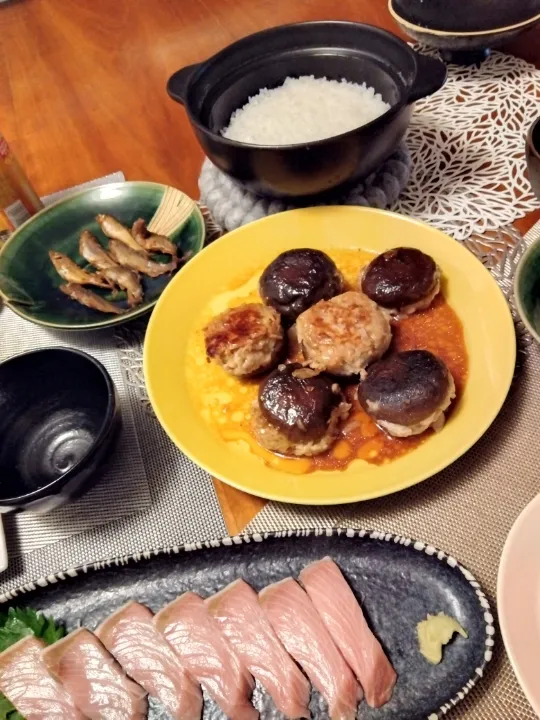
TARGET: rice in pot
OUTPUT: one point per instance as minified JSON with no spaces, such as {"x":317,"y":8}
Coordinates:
{"x":304,"y":109}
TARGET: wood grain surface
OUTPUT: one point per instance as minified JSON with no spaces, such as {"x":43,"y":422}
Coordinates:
{"x":82,"y":92}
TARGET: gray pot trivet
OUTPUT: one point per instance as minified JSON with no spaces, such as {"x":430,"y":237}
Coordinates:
{"x":232,"y":206}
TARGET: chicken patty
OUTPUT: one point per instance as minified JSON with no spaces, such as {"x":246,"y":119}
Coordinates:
{"x":343,"y":335}
{"x":245,"y":340}
{"x":402,"y":280}
{"x":298,"y":411}
{"x":408,"y":392}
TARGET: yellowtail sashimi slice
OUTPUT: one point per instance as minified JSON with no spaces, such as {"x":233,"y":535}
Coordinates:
{"x":27,"y":684}
{"x":131,"y":637}
{"x":299,"y":627}
{"x":241,"y":619}
{"x":93,"y":678}
{"x":203,"y":650}
{"x":345,"y":621}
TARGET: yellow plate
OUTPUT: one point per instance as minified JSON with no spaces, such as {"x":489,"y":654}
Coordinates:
{"x":469,"y":288}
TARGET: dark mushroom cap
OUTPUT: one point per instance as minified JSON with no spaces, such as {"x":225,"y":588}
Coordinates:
{"x":399,"y":277}
{"x":404,"y":388}
{"x":298,"y":401}
{"x":297,"y":279}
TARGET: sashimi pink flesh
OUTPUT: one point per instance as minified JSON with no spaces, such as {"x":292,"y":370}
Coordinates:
{"x":345,"y":621}
{"x":301,"y":630}
{"x":94,"y":679}
{"x":241,"y":619}
{"x":26,"y":682}
{"x":131,"y":637}
{"x":195,"y":636}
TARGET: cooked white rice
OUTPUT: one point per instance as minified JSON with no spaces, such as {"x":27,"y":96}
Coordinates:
{"x":303,"y":110}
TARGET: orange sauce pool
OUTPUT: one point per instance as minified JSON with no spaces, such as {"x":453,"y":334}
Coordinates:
{"x":225,"y":402}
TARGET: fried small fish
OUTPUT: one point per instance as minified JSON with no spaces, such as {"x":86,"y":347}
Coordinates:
{"x":116,"y":231}
{"x":92,"y":251}
{"x":128,"y":280}
{"x":72,"y":273}
{"x":151,"y":241}
{"x":89,"y":299}
{"x":139,"y":261}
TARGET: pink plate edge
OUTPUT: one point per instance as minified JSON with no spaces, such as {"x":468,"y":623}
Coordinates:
{"x":518,"y":593}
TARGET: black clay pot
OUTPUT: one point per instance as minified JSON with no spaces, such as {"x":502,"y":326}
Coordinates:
{"x":59,"y":422}
{"x":464,"y":30}
{"x":213,"y":90}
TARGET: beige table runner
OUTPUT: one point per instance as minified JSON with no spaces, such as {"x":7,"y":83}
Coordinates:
{"x":469,"y":508}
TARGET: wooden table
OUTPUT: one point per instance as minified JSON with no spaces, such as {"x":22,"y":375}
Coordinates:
{"x":82,"y":93}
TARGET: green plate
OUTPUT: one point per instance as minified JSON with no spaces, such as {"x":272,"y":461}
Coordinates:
{"x":28,"y":281}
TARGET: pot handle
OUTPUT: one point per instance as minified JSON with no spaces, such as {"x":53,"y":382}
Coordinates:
{"x":430,"y":77}
{"x":177,"y":83}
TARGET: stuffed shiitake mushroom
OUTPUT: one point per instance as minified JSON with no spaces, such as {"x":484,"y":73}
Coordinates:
{"x":298,"y":411}
{"x":402,"y":280}
{"x":297,"y":279}
{"x":408,"y":392}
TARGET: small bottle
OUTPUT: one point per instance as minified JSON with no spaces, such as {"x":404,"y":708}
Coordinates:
{"x":18,"y":200}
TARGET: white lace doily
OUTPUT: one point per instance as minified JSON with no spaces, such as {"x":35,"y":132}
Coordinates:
{"x":468,"y":147}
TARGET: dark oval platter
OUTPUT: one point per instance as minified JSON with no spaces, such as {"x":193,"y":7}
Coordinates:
{"x":398,"y":582}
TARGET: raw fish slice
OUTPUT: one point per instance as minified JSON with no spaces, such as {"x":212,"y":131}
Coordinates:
{"x":94,"y":679}
{"x":25,"y":681}
{"x":344,"y":619}
{"x":241,"y":619}
{"x":301,"y":630}
{"x":196,"y":638}
{"x":131,"y":637}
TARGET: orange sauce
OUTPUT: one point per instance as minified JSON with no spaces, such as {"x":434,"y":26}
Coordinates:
{"x":225,"y":402}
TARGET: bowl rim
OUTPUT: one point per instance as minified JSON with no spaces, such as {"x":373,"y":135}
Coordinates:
{"x":450,"y":33}
{"x":392,"y":110}
{"x":530,"y":145}
{"x":110,"y":413}
{"x":535,"y":246}
{"x":116,"y":319}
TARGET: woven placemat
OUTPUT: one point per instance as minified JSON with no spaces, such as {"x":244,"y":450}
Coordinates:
{"x":468,"y":509}
{"x":151,"y":495}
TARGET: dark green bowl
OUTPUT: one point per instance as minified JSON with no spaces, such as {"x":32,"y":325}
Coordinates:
{"x":28,"y":281}
{"x":527,"y":289}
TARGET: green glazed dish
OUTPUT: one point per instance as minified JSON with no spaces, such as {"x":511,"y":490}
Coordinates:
{"x":527,"y":289}
{"x":28,"y":281}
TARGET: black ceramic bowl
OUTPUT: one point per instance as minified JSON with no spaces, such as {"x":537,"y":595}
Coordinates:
{"x":213,"y":90}
{"x":59,"y":422}
{"x":463,"y":31}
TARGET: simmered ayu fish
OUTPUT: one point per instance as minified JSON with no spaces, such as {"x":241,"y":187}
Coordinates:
{"x":301,"y":630}
{"x":25,"y":681}
{"x":94,"y":679}
{"x":345,"y":621}
{"x":128,"y":280}
{"x":139,"y":260}
{"x":89,"y":299}
{"x":71,"y":272}
{"x":196,"y":638}
{"x":241,"y":619}
{"x":151,"y":241}
{"x":131,"y":637}
{"x":114,"y":229}
{"x":92,"y":251}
